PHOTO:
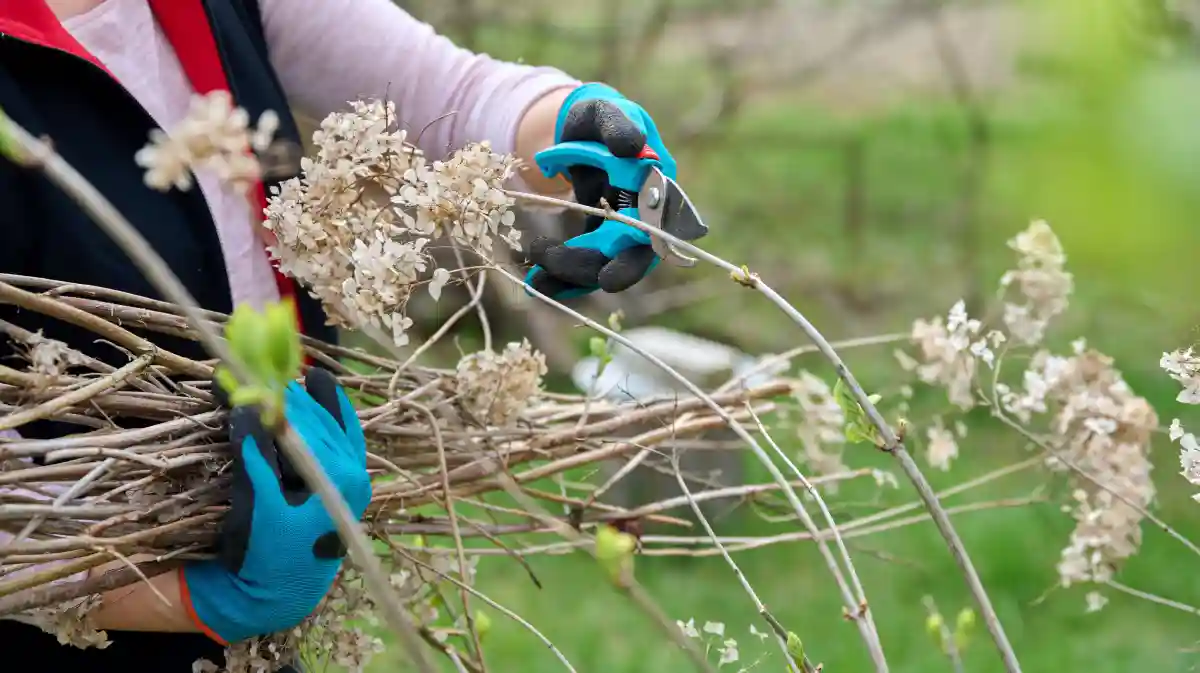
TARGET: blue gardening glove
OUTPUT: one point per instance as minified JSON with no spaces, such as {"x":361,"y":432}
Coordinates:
{"x":278,"y":551}
{"x":610,"y":256}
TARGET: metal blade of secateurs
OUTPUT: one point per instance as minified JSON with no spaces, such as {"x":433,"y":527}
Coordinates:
{"x":680,"y":218}
{"x":651,"y":205}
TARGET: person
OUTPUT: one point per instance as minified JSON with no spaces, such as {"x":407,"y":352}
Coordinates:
{"x":95,"y":77}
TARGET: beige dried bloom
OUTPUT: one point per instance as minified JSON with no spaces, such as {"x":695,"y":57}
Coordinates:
{"x":942,"y":445}
{"x":1040,"y":280}
{"x":1189,"y":453}
{"x":71,"y":622}
{"x":820,"y":429}
{"x":357,"y":225}
{"x":949,"y":350}
{"x":1095,"y":601}
{"x":949,"y":353}
{"x":50,"y":359}
{"x":1102,"y":428}
{"x":1183,"y":366}
{"x":1044,"y":373}
{"x":265,"y":654}
{"x":214,"y":136}
{"x":496,"y":387}
{"x":335,"y":633}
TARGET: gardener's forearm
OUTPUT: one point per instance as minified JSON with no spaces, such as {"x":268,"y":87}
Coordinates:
{"x":156,"y":605}
{"x":328,"y":52}
{"x":535,"y":132}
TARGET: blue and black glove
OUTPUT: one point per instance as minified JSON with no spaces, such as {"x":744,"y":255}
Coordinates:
{"x":278,"y":551}
{"x":610,"y":255}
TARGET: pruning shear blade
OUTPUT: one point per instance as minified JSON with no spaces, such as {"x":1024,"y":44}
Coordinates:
{"x":663,"y":204}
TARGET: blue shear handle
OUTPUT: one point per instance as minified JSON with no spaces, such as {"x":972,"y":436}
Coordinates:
{"x":627,"y":174}
{"x":611,"y":237}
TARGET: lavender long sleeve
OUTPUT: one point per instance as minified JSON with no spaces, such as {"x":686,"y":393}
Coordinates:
{"x":328,"y":52}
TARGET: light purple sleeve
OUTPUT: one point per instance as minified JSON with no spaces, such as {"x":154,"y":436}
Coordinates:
{"x":330,"y":52}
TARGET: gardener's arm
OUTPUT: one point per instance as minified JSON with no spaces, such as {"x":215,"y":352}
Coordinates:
{"x":329,"y":52}
{"x":157,"y":605}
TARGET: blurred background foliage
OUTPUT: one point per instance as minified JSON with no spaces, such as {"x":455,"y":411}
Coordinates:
{"x":870,"y":158}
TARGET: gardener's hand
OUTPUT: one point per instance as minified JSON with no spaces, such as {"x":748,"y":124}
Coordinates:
{"x":279,"y":553}
{"x":613,"y":262}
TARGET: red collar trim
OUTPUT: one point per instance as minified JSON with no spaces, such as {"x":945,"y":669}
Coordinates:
{"x":201,"y":61}
{"x":32,"y":21}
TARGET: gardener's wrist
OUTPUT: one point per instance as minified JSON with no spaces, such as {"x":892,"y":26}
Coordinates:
{"x":152,"y":605}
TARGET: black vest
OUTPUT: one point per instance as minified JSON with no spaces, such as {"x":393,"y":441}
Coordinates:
{"x":98,"y":127}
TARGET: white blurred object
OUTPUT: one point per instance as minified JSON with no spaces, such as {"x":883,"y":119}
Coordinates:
{"x":631,"y":376}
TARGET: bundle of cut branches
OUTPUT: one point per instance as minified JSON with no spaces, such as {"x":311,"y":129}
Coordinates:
{"x":146,"y":472}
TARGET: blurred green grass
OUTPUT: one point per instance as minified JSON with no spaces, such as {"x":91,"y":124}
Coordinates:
{"x":772,"y":187}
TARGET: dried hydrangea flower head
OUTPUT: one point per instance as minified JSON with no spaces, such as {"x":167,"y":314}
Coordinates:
{"x":950,"y":349}
{"x":1041,"y":281}
{"x":1102,"y":428}
{"x":1086,"y":413}
{"x":214,"y":135}
{"x":357,"y":225}
{"x":1184,"y":366}
{"x":495,"y":388}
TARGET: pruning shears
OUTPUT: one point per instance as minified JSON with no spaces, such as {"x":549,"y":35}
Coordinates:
{"x":644,"y":193}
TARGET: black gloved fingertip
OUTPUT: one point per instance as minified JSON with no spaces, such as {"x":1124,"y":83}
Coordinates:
{"x":538,"y":248}
{"x":590,"y":184}
{"x":550,"y":286}
{"x":626,"y":269}
{"x":329,"y":546}
{"x":323,"y":386}
{"x":618,"y":132}
{"x":246,"y":421}
{"x":574,"y":265}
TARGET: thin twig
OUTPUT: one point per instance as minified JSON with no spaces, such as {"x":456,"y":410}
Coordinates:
{"x":855,"y":582}
{"x":781,"y":633}
{"x":452,"y":513}
{"x":1146,"y":596}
